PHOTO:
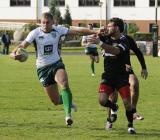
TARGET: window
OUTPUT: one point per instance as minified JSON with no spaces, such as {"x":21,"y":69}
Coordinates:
{"x":152,"y":2}
{"x":58,"y":2}
{"x":45,"y":2}
{"x":89,"y":2}
{"x":124,"y":2}
{"x":150,"y":27}
{"x":20,"y":2}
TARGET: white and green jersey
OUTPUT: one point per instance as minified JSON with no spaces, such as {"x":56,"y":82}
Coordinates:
{"x":46,"y":44}
{"x":84,"y":38}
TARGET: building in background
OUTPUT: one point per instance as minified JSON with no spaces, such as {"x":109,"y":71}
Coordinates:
{"x":141,"y":12}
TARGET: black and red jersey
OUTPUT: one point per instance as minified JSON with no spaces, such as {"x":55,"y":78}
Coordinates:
{"x":114,"y":65}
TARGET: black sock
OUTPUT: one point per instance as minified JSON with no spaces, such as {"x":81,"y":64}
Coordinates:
{"x":129,"y":115}
{"x":109,"y":120}
{"x":92,"y":67}
{"x":134,"y":110}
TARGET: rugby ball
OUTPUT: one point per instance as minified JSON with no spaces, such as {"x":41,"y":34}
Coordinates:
{"x":23,"y":53}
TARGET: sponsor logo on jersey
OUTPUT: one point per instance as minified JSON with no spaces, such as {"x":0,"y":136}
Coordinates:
{"x":48,"y":49}
{"x":41,"y":37}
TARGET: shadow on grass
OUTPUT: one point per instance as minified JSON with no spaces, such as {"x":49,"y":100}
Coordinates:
{"x":122,"y":133}
{"x":34,"y":125}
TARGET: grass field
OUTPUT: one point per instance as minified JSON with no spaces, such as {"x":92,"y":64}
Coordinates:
{"x":27,"y":114}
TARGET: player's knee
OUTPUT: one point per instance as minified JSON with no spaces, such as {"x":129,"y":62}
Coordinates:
{"x":113,"y":97}
{"x":97,"y":60}
{"x":64,"y":84}
{"x":102,"y":102}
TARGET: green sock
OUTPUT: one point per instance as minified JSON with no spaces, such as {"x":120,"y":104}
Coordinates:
{"x":61,"y":101}
{"x":92,"y":66}
{"x":67,"y":100}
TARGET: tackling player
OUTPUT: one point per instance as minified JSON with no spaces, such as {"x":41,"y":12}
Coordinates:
{"x":115,"y":76}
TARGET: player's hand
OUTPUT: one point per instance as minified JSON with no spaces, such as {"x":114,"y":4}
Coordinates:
{"x":144,"y":73}
{"x":15,"y":56}
{"x":102,"y":31}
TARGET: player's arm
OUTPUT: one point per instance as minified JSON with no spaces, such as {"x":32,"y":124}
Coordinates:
{"x":81,"y":31}
{"x":138,"y":53}
{"x":29,"y":39}
{"x":120,"y":48}
{"x":13,"y":54}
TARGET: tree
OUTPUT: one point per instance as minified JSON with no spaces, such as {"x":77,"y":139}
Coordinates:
{"x":52,"y":6}
{"x":55,"y":12}
{"x":67,"y":16}
{"x":132,"y":28}
{"x":57,"y":16}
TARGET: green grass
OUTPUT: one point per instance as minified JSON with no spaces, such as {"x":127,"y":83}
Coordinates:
{"x":26,"y":113}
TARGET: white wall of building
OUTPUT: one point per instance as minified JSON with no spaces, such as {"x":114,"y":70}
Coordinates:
{"x":19,"y":13}
{"x":82,"y":13}
{"x":141,"y":11}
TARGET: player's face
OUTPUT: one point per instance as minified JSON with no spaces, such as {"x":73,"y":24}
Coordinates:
{"x":111,"y":28}
{"x":46,"y":24}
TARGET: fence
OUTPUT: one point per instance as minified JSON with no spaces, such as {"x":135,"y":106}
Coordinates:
{"x":146,"y":47}
{"x":11,"y":25}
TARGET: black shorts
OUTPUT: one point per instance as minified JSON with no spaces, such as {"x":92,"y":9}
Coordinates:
{"x":115,"y":82}
{"x":46,"y":74}
{"x":130,"y":72}
{"x":91,"y":51}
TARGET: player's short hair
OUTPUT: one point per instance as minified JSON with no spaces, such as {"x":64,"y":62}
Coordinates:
{"x":47,"y":15}
{"x":118,"y":22}
{"x":90,"y":25}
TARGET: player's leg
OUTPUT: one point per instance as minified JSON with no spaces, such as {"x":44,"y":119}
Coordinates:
{"x":88,"y":53}
{"x":96,"y":56}
{"x":96,"y":59}
{"x":7,"y":49}
{"x":134,"y":88}
{"x":55,"y":97}
{"x":51,"y":75}
{"x":92,"y":64}
{"x":112,"y":115}
{"x":53,"y":94}
{"x":113,"y":98}
{"x":104,"y":92}
{"x":125,"y":94}
{"x":62,"y":80}
{"x":46,"y":77}
{"x":4,"y":49}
